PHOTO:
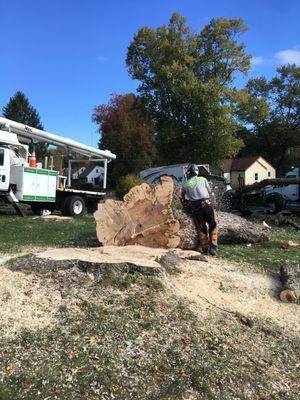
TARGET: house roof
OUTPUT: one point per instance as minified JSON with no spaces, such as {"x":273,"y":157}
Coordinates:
{"x":238,"y":164}
{"x":226,"y":164}
{"x":88,"y":170}
{"x":78,"y":169}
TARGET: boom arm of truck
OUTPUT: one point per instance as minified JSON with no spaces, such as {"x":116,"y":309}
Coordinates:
{"x":60,"y":141}
{"x":37,"y":135}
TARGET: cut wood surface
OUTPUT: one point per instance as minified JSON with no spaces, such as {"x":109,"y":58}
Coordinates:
{"x":144,"y":217}
{"x":290,"y":285}
{"x":139,"y":258}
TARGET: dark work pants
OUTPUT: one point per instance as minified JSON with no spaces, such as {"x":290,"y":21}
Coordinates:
{"x":206,"y":224}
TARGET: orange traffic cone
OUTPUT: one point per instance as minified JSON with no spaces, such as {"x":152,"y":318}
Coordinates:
{"x":32,"y":160}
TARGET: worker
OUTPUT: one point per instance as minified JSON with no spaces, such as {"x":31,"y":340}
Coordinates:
{"x":195,"y":194}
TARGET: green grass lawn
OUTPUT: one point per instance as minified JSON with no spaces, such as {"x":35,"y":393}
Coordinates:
{"x":269,"y":256}
{"x":20,"y":234}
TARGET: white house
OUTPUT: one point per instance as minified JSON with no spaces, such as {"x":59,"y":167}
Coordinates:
{"x":247,"y":170}
{"x":92,"y":174}
{"x":76,"y":174}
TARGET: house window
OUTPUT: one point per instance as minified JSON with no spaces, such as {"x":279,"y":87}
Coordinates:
{"x":256,"y":176}
{"x":269,"y":174}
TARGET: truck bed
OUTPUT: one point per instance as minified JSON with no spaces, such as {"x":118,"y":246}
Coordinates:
{"x":85,"y":192}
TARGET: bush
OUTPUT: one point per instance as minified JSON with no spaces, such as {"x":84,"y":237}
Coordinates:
{"x":126,"y":183}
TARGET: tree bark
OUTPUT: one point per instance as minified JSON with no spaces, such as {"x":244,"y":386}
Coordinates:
{"x":155,"y":217}
{"x":290,"y":286}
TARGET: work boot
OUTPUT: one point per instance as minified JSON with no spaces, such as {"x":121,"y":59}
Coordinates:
{"x":205,"y":251}
{"x":213,"y":250}
{"x":202,"y":250}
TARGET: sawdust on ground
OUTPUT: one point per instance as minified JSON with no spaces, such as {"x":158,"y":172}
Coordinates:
{"x":229,"y":287}
{"x":26,"y":302}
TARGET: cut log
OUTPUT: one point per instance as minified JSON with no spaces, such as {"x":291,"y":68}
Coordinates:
{"x":232,"y":230}
{"x":144,"y":217}
{"x":290,"y":285}
{"x":155,"y":217}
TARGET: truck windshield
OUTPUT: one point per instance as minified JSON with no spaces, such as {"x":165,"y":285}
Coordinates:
{"x":1,"y":157}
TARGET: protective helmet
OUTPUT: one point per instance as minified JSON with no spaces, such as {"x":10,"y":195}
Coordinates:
{"x":193,"y":170}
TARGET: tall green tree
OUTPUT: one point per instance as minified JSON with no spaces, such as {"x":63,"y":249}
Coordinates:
{"x":272,"y":108}
{"x":19,"y":109}
{"x":187,"y":83}
{"x":128,"y":131}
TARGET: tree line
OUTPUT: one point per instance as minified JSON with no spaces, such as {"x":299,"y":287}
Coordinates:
{"x":187,"y":107}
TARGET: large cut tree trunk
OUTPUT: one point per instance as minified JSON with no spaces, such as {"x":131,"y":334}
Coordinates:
{"x":154,"y":217}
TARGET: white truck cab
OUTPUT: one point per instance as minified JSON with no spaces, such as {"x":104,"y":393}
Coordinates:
{"x":4,"y":169}
{"x":12,"y":153}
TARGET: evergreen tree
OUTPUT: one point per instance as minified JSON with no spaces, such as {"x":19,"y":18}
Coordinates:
{"x":19,"y":109}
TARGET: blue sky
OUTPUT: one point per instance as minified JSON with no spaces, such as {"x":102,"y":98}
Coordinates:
{"x":68,"y":56}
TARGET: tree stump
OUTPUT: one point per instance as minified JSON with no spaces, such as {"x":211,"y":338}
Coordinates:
{"x":290,"y":285}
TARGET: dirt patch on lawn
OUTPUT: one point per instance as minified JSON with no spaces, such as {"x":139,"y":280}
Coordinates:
{"x":229,"y":287}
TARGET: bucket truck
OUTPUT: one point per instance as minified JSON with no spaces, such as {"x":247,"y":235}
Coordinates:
{"x":43,"y":188}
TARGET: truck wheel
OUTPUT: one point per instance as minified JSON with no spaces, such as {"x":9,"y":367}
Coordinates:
{"x":275,"y":205}
{"x":73,"y":206}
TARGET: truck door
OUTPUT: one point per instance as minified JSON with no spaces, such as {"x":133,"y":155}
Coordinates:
{"x":4,"y":169}
{"x":291,"y":191}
